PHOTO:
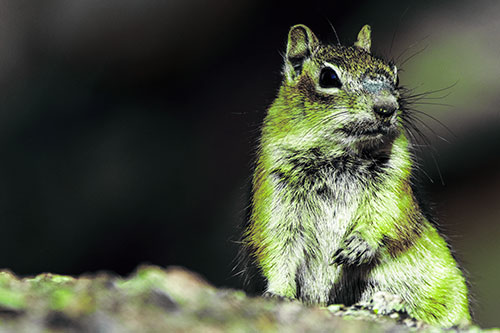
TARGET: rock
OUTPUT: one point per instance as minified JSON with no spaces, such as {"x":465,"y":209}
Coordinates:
{"x":175,"y":300}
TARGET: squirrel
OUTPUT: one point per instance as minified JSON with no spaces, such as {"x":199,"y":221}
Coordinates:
{"x":334,"y":216}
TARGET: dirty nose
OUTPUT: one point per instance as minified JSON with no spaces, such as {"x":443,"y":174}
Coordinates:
{"x":384,"y":110}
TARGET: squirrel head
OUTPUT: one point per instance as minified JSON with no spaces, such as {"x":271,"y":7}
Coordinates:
{"x":335,"y":93}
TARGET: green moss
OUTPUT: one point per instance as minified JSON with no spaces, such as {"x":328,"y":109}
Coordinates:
{"x":143,"y":280}
{"x":12,"y":299}
{"x":61,"y":298}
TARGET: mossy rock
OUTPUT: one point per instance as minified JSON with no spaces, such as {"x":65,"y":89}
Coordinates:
{"x":169,"y":300}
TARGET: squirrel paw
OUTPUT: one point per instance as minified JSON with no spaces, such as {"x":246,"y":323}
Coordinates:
{"x":354,"y":251}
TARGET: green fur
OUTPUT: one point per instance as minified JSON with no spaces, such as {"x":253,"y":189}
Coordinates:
{"x":334,"y":216}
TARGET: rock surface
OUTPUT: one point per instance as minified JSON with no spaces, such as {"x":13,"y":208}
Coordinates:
{"x":170,"y":300}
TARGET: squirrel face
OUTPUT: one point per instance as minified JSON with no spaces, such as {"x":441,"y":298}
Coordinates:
{"x":337,"y":95}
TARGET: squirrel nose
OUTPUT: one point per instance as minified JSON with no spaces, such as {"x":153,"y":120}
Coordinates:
{"x":384,"y":110}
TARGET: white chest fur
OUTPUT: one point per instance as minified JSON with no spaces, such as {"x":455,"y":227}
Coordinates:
{"x":315,"y":226}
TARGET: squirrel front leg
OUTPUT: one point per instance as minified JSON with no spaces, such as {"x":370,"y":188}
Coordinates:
{"x":393,"y":226}
{"x":280,"y":274}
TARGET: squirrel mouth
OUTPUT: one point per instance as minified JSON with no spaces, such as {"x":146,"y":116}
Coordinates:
{"x":370,"y":131}
{"x":371,"y":137}
{"x":375,"y":131}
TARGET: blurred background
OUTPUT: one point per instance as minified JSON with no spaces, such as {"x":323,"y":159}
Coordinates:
{"x":128,"y":128}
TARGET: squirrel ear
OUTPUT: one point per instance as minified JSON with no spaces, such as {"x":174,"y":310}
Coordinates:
{"x":301,"y":43}
{"x":364,"y":41}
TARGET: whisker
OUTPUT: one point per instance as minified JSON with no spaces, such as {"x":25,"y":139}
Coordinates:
{"x":436,"y":120}
{"x":429,"y":128}
{"x":334,"y":31}
{"x":416,"y":162}
{"x":409,"y":118}
{"x":427,"y":98}
{"x":415,"y":54}
{"x":438,"y":169}
{"x":410,"y":47}
{"x":430,"y":92}
{"x":432,"y":103}
{"x":422,"y":136}
{"x":396,"y":28}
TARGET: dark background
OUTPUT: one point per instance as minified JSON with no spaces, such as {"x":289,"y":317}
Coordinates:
{"x":128,"y":128}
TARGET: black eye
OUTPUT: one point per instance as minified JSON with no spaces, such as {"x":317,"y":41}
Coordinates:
{"x":329,"y":79}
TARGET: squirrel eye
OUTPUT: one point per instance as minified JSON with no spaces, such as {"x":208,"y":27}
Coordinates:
{"x":329,"y":79}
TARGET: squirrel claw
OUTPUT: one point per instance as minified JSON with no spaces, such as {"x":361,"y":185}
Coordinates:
{"x":355,"y":251}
